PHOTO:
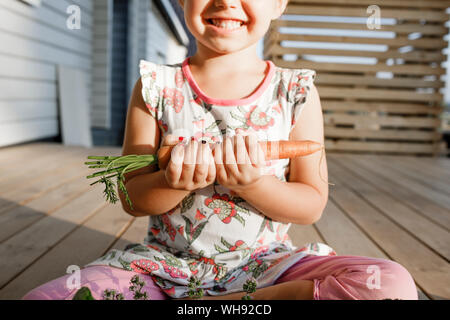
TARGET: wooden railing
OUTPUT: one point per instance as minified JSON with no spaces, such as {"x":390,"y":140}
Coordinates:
{"x":363,"y":111}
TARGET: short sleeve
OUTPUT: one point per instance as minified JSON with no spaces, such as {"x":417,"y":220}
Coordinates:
{"x":150,"y":74}
{"x":303,"y":80}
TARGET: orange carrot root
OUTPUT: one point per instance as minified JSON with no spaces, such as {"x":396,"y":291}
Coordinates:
{"x":272,"y":150}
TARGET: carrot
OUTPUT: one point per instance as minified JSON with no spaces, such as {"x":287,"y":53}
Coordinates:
{"x":117,"y":166}
{"x":272,"y":150}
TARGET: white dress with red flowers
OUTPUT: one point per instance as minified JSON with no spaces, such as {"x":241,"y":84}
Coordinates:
{"x":216,"y":236}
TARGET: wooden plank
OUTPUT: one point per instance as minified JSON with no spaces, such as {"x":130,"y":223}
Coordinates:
{"x":52,"y":179}
{"x":385,"y":134}
{"x":428,"y":269}
{"x":94,"y":236}
{"x":49,"y":164}
{"x":328,"y":92}
{"x":355,"y":68}
{"x":333,"y":79}
{"x":422,"y":43}
{"x":426,"y":4}
{"x":39,"y":168}
{"x":392,"y":121}
{"x":376,"y":106}
{"x":442,"y":163}
{"x":19,"y":216}
{"x":405,"y":28}
{"x":417,"y":225}
{"x":38,"y":149}
{"x":435,"y":170}
{"x":34,"y":158}
{"x":415,"y":50}
{"x":21,"y":250}
{"x":20,"y":152}
{"x":350,"y":239}
{"x":440,"y":181}
{"x":134,"y":234}
{"x":303,"y":234}
{"x":412,"y":184}
{"x":406,"y":14}
{"x":363,"y":166}
{"x":386,"y":147}
{"x":275,"y":49}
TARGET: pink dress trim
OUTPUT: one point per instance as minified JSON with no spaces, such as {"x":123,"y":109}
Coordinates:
{"x":228,"y":102}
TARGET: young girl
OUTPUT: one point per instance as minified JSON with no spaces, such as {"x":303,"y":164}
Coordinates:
{"x":219,"y":211}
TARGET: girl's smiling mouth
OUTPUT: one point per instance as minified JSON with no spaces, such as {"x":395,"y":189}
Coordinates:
{"x":224,"y":26}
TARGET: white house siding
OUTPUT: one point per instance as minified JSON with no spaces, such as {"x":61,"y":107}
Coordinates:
{"x":162,"y":46}
{"x":35,"y":40}
{"x":101,"y":67}
{"x":149,"y":38}
{"x":114,"y":82}
{"x":137,"y":35}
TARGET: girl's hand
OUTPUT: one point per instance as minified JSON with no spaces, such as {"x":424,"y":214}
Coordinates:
{"x":239,"y":162}
{"x":191,"y":166}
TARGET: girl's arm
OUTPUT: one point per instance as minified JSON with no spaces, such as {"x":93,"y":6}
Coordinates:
{"x":147,"y":187}
{"x":303,"y":197}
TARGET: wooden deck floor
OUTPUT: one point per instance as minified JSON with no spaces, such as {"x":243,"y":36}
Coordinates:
{"x":390,"y":207}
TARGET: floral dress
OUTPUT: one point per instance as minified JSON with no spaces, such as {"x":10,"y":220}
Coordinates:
{"x":216,"y":236}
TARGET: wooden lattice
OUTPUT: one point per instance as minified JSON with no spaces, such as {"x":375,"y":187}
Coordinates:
{"x":362,"y":111}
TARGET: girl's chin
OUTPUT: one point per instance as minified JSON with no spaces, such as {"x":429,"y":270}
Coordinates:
{"x":221,"y":48}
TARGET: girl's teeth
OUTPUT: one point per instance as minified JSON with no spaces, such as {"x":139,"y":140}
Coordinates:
{"x":227,"y":24}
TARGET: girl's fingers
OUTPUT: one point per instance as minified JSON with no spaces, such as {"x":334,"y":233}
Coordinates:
{"x":217,"y":153}
{"x":202,"y":163}
{"x":221,"y":173}
{"x":261,"y":157}
{"x":211,"y":169}
{"x":252,"y":144}
{"x":206,"y":154}
{"x":242,"y":158}
{"x":174,"y":167}
{"x":190,"y":156}
{"x":170,"y":139}
{"x":256,"y":153}
{"x":177,"y":154}
{"x":230,"y":160}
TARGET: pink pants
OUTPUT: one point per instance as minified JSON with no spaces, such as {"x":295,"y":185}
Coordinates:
{"x":334,"y":277}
